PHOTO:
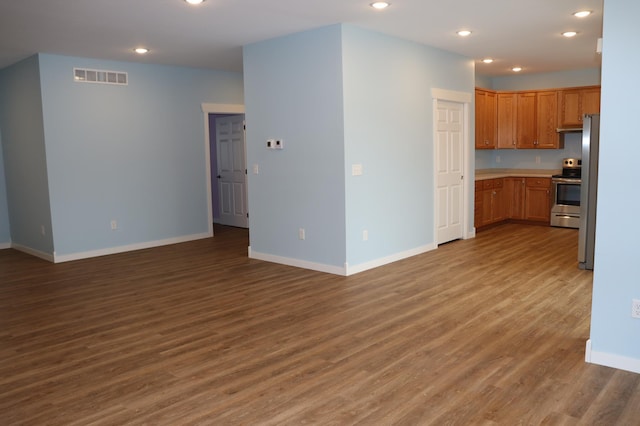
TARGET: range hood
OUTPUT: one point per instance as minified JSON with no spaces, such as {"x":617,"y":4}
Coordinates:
{"x":569,"y":130}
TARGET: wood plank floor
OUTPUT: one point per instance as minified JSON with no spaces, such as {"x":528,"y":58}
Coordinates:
{"x":486,"y":331}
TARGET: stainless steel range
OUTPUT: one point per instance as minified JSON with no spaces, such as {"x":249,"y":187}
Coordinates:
{"x":565,"y":211}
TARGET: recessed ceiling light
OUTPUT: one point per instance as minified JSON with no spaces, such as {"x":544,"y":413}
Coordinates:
{"x":464,"y":33}
{"x":487,"y":60}
{"x":582,"y":14}
{"x":380,"y":5}
{"x":141,"y":50}
{"x":569,"y":34}
{"x":194,"y":1}
{"x":516,"y":69}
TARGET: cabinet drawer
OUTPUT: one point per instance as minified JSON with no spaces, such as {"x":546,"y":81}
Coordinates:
{"x":487,"y":184}
{"x":498,"y":183}
{"x":539,"y":182}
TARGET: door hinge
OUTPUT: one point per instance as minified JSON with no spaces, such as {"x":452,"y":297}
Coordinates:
{"x":247,"y":215}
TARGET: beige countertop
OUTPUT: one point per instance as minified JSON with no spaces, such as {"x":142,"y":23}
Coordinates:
{"x":482,"y":174}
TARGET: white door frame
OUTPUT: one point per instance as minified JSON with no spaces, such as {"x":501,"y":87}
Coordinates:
{"x":207,"y":109}
{"x":465,"y":99}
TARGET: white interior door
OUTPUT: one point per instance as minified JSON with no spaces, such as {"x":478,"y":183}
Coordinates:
{"x":232,"y":171}
{"x":449,"y":170}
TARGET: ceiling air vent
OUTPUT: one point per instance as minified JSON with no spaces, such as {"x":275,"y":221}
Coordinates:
{"x":84,"y":75}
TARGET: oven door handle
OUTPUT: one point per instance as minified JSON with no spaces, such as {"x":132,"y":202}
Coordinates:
{"x":574,"y":181}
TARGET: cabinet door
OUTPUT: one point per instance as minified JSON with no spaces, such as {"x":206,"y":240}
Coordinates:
{"x":487,"y":201}
{"x":538,"y":199}
{"x":485,"y":119}
{"x":498,"y":212}
{"x":514,"y":197}
{"x":507,"y":103}
{"x":547,"y":120}
{"x":490,"y":114}
{"x":570,"y":114}
{"x":590,"y":101}
{"x":526,"y":120}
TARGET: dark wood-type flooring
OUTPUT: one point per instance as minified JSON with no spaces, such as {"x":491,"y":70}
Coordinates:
{"x":486,"y":331}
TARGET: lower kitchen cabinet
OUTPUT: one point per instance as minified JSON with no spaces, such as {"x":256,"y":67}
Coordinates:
{"x":538,"y":199}
{"x":514,"y":190}
{"x":512,"y":198}
{"x":489,"y":202}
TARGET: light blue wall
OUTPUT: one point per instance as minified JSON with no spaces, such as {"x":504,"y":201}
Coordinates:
{"x":551,"y":80}
{"x":293,"y":91}
{"x":389,"y":130}
{"x":25,"y":163}
{"x":133,"y":153}
{"x":5,"y":230}
{"x":616,"y":282}
{"x":526,"y":158}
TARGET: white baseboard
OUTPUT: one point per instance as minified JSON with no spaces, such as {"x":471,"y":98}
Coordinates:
{"x":33,"y":252}
{"x":350,"y":270}
{"x":304,"y":264}
{"x":347,"y":270}
{"x":4,"y":246}
{"x":129,"y":247}
{"x":611,"y":360}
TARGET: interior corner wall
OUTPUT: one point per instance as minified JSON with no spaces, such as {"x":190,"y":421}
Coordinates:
{"x":131,"y":153}
{"x":5,"y":230}
{"x":389,"y":131}
{"x":615,"y":334}
{"x":293,"y":92}
{"x":25,"y":162}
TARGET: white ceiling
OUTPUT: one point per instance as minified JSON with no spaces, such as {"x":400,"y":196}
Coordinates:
{"x":513,"y":32}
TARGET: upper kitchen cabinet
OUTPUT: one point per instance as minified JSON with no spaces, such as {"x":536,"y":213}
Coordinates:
{"x":507,"y":114}
{"x":526,"y":120}
{"x":547,"y":120}
{"x":576,"y":102}
{"x":486,"y":109}
{"x":536,"y":120}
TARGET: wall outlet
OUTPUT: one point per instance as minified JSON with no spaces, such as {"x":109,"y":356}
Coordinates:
{"x":498,"y":159}
{"x":365,"y":235}
{"x":537,"y":159}
{"x":279,"y":144}
{"x":256,"y":169}
{"x":271,"y":143}
{"x":635,"y":308}
{"x":301,"y":234}
{"x":114,"y":224}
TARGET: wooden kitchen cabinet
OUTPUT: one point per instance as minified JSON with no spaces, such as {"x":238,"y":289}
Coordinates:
{"x":514,"y":195}
{"x":537,"y":120}
{"x":547,"y":120}
{"x":506,"y":120}
{"x":486,"y":109}
{"x":574,"y":103}
{"x":489,"y":202}
{"x":526,"y":120}
{"x":537,"y":199}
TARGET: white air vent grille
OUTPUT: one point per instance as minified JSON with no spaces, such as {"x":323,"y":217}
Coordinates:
{"x":84,"y":75}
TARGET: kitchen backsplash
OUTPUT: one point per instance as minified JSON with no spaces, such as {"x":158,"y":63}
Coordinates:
{"x":530,"y":158}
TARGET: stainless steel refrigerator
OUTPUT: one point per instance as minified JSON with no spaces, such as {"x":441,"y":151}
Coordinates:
{"x":588,"y":190}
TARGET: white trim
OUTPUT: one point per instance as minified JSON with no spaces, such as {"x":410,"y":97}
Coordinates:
{"x":222,"y":108}
{"x":465,"y":99}
{"x":4,"y":246}
{"x":611,"y":360}
{"x":346,"y":270}
{"x":451,"y":95}
{"x":337,"y":270}
{"x":350,"y":270}
{"x":129,"y":247}
{"x":33,"y":252}
{"x":208,"y":108}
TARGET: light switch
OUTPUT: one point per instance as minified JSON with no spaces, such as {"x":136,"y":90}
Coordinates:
{"x":356,"y":169}
{"x":256,"y":169}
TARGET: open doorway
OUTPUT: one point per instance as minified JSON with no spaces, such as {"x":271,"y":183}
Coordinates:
{"x":228,"y":170}
{"x":207,"y":110}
